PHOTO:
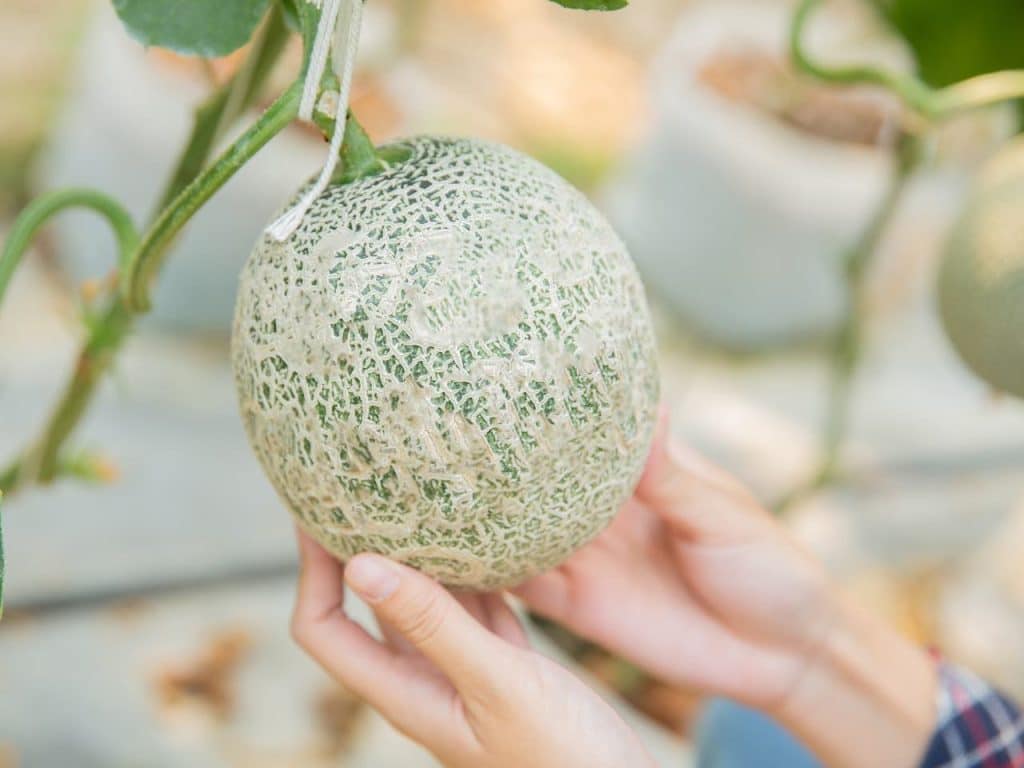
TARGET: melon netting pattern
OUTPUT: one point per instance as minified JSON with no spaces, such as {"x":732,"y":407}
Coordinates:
{"x":450,"y":363}
{"x":981,"y":285}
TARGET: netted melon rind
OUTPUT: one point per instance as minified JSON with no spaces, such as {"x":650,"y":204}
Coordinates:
{"x":981,"y":282}
{"x":450,"y":363}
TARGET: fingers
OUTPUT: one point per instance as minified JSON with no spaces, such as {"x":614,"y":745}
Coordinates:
{"x":668,"y":454}
{"x":320,"y":625}
{"x":690,"y":494}
{"x":501,"y":620}
{"x":549,"y":594}
{"x":583,"y":581}
{"x":429,"y":618}
{"x":351,"y":656}
{"x":321,"y":586}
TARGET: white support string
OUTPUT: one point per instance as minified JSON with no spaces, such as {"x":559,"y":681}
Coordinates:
{"x":338,"y":34}
{"x":318,"y":58}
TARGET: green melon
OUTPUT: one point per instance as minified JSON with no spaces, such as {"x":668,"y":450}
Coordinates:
{"x":450,"y":363}
{"x":981,"y":282}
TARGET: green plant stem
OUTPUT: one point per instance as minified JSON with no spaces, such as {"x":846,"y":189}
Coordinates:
{"x":46,"y":207}
{"x":848,"y":344}
{"x":223,"y":108}
{"x":933,"y":104}
{"x":359,"y":156}
{"x":40,"y":463}
{"x":912,"y":91}
{"x":152,"y":251}
{"x":981,"y":91}
{"x":9,"y":476}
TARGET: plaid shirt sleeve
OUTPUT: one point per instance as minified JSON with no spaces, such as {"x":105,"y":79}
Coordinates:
{"x":977,"y":727}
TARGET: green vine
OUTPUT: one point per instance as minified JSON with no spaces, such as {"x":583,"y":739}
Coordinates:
{"x":914,"y":93}
{"x":220,"y":111}
{"x":141,"y":268}
{"x":848,"y":345}
{"x":933,"y":106}
{"x":190,"y":186}
{"x":849,"y":340}
{"x":41,"y":462}
{"x":44,"y":208}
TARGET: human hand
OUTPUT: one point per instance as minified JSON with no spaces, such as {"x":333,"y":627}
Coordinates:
{"x":697,"y":584}
{"x":454,"y":673}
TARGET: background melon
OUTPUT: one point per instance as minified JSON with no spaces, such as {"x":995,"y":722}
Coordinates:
{"x":981,"y":284}
{"x":450,"y":363}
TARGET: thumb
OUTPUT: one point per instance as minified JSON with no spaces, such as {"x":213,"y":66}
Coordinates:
{"x":427,"y":616}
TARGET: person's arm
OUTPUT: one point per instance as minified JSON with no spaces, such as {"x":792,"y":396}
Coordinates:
{"x":867,"y":696}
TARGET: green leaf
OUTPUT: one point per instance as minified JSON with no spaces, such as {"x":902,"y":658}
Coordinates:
{"x":593,"y":5}
{"x":953,"y":40}
{"x":206,"y":28}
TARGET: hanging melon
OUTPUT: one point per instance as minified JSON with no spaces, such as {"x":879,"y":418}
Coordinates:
{"x":450,"y":363}
{"x":981,"y":284}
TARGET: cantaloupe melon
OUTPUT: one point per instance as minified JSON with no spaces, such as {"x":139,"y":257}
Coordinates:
{"x":450,"y":363}
{"x":981,"y":283}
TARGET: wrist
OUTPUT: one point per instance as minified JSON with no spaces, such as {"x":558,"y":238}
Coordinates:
{"x":867,"y":695}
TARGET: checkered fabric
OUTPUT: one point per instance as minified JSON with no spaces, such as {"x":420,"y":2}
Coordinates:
{"x":978,"y":727}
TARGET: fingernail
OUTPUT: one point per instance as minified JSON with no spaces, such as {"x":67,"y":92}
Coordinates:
{"x":372,"y":577}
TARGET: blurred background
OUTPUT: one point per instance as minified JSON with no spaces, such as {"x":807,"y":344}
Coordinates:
{"x":147,"y":619}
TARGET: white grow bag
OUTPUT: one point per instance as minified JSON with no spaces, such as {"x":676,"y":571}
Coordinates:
{"x":735,"y":218}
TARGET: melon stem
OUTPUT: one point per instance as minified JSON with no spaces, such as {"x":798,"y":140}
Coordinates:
{"x":219,"y":112}
{"x":40,"y":463}
{"x":933,"y":104}
{"x":138,"y":276}
{"x":359,"y":156}
{"x":44,"y":208}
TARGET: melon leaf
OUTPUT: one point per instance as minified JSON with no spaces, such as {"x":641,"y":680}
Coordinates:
{"x":593,"y":5}
{"x":953,"y":40}
{"x":192,"y":27}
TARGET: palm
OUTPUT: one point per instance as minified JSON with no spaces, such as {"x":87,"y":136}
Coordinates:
{"x":715,"y":613}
